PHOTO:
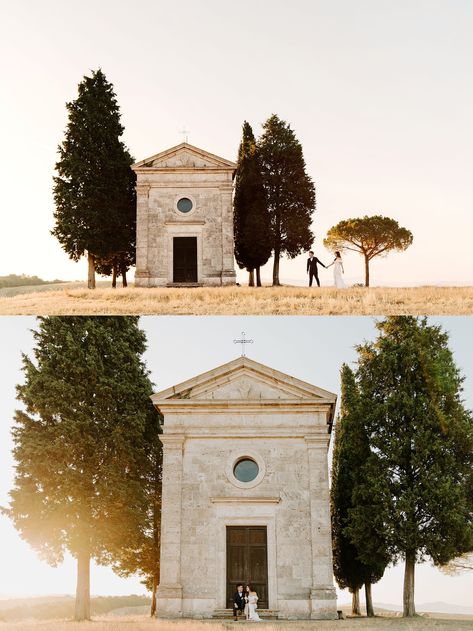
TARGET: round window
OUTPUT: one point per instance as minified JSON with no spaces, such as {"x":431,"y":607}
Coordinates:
{"x":184,"y":205}
{"x":245,"y":470}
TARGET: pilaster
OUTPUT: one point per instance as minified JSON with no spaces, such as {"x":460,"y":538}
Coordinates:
{"x":169,"y":594}
{"x":142,"y":273}
{"x":322,"y":595}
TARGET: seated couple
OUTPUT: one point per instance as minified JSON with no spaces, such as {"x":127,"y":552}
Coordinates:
{"x":245,"y":601}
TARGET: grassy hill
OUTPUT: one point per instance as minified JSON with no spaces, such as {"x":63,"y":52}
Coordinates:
{"x":15,"y":280}
{"x":145,"y":623}
{"x":57,"y":607}
{"x":70,"y":299}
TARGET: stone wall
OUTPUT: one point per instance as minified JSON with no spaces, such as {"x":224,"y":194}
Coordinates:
{"x":205,"y":433}
{"x":161,"y":182}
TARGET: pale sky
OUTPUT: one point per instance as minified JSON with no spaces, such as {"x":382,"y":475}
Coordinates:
{"x":379,"y":93}
{"x":310,"y":348}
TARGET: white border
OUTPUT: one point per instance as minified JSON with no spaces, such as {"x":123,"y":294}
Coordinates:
{"x":180,"y":196}
{"x":268,"y":520}
{"x":240,"y":455}
{"x":181,"y":230}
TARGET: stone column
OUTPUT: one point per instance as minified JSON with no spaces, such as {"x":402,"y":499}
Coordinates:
{"x":228,"y":265}
{"x":169,"y":594}
{"x":142,"y":273}
{"x":322,"y":594}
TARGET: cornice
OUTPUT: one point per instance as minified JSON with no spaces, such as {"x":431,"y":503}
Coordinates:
{"x":216,"y":406}
{"x":245,"y":500}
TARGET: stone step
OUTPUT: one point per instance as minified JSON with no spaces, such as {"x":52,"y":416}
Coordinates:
{"x":265,"y":614}
{"x":184,"y":285}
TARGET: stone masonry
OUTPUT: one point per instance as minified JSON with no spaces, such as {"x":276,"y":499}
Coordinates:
{"x":244,"y":409}
{"x":205,"y":181}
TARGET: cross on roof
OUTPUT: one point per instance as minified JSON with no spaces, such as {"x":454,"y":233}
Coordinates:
{"x":184,"y":133}
{"x":243,"y":341}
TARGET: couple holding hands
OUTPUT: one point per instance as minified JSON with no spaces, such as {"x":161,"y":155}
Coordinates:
{"x":337,"y":270}
{"x":245,"y":601}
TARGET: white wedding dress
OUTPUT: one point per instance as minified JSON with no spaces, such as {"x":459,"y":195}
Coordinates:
{"x":337,"y":274}
{"x":252,"y":605}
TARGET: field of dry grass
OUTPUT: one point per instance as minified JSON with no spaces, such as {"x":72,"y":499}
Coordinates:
{"x":243,"y":301}
{"x":141,"y":623}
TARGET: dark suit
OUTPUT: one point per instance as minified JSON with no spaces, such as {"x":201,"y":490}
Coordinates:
{"x":312,"y":269}
{"x":239,"y":602}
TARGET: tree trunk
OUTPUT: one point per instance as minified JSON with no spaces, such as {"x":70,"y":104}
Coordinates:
{"x":409,"y":609}
{"x":251,"y":278}
{"x":91,"y":274}
{"x":153,"y":596}
{"x":367,"y":271}
{"x":277,"y":255}
{"x":369,"y":600}
{"x":123,"y":273}
{"x":114,"y":275}
{"x":82,"y":607}
{"x":258,"y":276}
{"x":355,"y":602}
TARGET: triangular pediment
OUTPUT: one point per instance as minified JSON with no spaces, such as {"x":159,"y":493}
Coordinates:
{"x":244,"y":380}
{"x":244,"y":386}
{"x":184,"y":156}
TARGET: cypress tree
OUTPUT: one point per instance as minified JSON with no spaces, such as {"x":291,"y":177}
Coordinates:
{"x":94,"y":190}
{"x":290,"y":192}
{"x":351,"y":452}
{"x":421,"y":439}
{"x":81,"y":442}
{"x":250,"y":217}
{"x":141,"y":555}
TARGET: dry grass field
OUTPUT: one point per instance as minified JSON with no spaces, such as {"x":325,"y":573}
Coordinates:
{"x":142,"y":623}
{"x":241,"y":301}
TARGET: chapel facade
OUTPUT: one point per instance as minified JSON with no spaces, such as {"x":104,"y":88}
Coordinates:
{"x":184,"y":226}
{"x":245,"y":494}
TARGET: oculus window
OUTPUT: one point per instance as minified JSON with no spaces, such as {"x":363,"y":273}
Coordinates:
{"x":245,"y":470}
{"x":184,"y":205}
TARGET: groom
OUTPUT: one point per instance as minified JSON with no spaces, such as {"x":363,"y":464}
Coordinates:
{"x":239,"y":601}
{"x":312,"y":268}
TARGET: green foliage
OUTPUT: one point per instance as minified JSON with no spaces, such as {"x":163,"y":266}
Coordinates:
{"x":94,"y":191}
{"x":250,"y":217}
{"x":81,"y":440}
{"x":290,"y":192}
{"x":370,"y":236}
{"x":141,"y":555}
{"x":421,"y":442}
{"x":351,"y":452}
{"x":20,"y":280}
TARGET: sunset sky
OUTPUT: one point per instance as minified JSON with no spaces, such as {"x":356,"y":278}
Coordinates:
{"x":379,"y":93}
{"x":183,"y":347}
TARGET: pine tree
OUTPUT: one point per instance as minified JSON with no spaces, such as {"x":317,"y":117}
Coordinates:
{"x":81,"y":442}
{"x":290,"y":192}
{"x":421,"y":439}
{"x":370,"y":237}
{"x":251,"y":222}
{"x":94,"y":191}
{"x":351,"y":452}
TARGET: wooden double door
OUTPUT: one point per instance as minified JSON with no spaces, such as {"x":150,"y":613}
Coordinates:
{"x":185,"y":259}
{"x":247,"y":561}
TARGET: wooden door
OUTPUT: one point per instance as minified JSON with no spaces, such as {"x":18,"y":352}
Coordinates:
{"x":247,"y":561}
{"x":185,"y":259}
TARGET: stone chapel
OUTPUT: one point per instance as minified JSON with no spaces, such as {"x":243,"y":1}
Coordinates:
{"x":245,"y":493}
{"x":184,"y":224}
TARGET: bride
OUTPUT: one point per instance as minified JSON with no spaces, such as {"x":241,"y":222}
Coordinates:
{"x":252,"y":603}
{"x":338,"y":271}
